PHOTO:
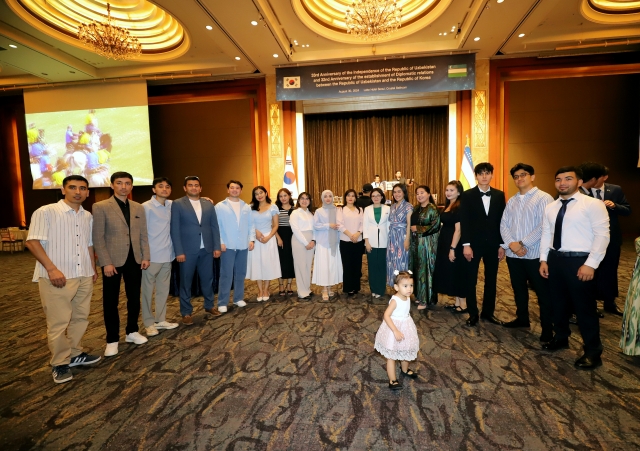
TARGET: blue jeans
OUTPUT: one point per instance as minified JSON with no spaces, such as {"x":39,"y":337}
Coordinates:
{"x":203,"y":262}
{"x":233,"y":269}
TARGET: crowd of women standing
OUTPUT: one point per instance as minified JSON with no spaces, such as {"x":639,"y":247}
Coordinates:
{"x":325,"y":246}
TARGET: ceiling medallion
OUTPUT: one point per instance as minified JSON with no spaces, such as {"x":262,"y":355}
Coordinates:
{"x":373,"y":19}
{"x":109,"y":40}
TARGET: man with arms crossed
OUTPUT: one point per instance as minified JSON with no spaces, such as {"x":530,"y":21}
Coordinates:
{"x":237,"y":237}
{"x":158,"y":215}
{"x":575,"y":235}
{"x":481,"y":209}
{"x":521,"y":230}
{"x":121,"y":243}
{"x":617,"y":205}
{"x":196,"y":236}
{"x":60,"y":240}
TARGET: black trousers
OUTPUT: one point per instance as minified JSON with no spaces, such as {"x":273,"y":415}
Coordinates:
{"x":489,"y":256}
{"x":351,"y":254}
{"x":567,"y":290}
{"x":522,"y":271}
{"x":607,"y":276}
{"x":132,"y":274}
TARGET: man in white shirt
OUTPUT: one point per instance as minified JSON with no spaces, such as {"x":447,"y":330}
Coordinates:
{"x":376,"y":183}
{"x":575,"y":235}
{"x":158,"y":274}
{"x":60,"y":240}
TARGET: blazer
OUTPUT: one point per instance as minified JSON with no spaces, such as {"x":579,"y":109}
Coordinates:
{"x":186,"y":231}
{"x":476,"y":226}
{"x":377,"y":234}
{"x":614,"y":194}
{"x":111,"y":238}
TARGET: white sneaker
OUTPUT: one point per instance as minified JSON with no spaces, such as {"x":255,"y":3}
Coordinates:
{"x":241,"y":304}
{"x":135,"y":337}
{"x":222,"y":309}
{"x":259,"y":299}
{"x":111,"y":349}
{"x":152,"y":331}
{"x":165,"y":325}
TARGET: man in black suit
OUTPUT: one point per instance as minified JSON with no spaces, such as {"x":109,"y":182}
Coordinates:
{"x":481,"y":210}
{"x":593,"y":185}
{"x":365,"y":200}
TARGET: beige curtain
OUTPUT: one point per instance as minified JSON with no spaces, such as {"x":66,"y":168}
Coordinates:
{"x":346,"y":150}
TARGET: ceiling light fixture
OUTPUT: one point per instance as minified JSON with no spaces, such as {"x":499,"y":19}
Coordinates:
{"x":373,"y":19}
{"x":500,"y":1}
{"x":275,"y":55}
{"x":237,"y":58}
{"x":109,"y":40}
{"x":13,"y":46}
{"x":444,"y":34}
{"x":254,"y":23}
{"x":209,"y":27}
{"x":477,"y":38}
{"x":521,"y":35}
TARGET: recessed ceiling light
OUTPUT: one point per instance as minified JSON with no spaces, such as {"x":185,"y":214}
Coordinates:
{"x":254,"y":22}
{"x":477,"y":38}
{"x":445,"y":33}
{"x":521,"y":35}
{"x":209,"y":27}
{"x":237,"y":58}
{"x":500,"y":1}
{"x":275,"y":55}
{"x":439,"y":34}
{"x":13,"y":46}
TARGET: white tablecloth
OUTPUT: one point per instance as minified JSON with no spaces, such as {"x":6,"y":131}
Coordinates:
{"x":19,"y":235}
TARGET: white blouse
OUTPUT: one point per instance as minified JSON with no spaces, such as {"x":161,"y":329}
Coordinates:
{"x":301,"y":221}
{"x":349,"y":220}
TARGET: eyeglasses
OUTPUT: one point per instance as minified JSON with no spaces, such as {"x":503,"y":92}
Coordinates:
{"x":521,"y":176}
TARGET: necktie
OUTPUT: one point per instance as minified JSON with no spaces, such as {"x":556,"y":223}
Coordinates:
{"x":557,"y":233}
{"x":598,"y":194}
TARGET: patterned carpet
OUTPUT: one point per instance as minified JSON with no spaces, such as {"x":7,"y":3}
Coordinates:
{"x":289,"y":375}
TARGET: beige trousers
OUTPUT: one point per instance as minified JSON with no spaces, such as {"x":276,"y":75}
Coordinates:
{"x":158,"y":275}
{"x":302,"y":261}
{"x":67,"y":312}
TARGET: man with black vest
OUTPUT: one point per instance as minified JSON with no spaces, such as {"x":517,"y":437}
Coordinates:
{"x":593,"y":185}
{"x":481,"y":210}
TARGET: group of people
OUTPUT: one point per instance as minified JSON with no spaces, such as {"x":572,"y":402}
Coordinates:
{"x":554,"y":246}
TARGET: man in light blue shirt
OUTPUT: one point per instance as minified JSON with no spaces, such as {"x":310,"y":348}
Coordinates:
{"x":158,"y":213}
{"x":237,"y":236}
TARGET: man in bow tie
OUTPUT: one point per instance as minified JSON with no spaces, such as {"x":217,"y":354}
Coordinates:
{"x":481,"y":210}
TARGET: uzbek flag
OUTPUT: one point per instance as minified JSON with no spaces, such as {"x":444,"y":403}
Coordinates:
{"x":467,"y":177}
{"x":289,"y":181}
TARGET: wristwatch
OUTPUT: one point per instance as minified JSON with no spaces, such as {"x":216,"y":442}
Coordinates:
{"x":452,"y":248}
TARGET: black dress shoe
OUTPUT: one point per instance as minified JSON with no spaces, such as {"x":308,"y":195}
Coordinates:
{"x":587,"y":362}
{"x":613,"y":310}
{"x":472,"y":320}
{"x":492,"y":319}
{"x":600,"y":314}
{"x":573,"y":319}
{"x":546,"y":336}
{"x":556,"y":344}
{"x":517,"y":323}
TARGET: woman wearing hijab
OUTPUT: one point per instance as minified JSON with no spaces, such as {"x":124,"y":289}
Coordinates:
{"x":327,"y":264}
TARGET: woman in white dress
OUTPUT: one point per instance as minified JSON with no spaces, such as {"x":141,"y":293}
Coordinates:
{"x":327,"y":264}
{"x":303,"y":244}
{"x":263,"y":264}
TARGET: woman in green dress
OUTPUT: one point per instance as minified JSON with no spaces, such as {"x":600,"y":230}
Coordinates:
{"x":425,"y":225}
{"x":630,"y":341}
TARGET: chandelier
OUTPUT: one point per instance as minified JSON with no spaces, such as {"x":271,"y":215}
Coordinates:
{"x":109,"y":40}
{"x":373,"y":19}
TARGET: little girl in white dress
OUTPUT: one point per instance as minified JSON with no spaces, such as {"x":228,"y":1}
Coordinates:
{"x":397,"y":337}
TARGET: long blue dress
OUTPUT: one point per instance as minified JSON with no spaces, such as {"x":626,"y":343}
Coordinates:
{"x":397,"y":256}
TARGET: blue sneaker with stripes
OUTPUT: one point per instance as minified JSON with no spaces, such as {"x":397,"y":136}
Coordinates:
{"x":84,"y":359}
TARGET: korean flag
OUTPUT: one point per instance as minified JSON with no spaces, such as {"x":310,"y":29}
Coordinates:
{"x":291,"y":82}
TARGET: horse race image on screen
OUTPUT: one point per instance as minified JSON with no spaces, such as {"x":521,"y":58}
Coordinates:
{"x":93,"y":143}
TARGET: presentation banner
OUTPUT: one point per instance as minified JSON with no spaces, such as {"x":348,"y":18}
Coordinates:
{"x":372,"y":78}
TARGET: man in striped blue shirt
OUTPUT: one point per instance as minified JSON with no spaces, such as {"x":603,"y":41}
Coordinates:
{"x":521,"y":230}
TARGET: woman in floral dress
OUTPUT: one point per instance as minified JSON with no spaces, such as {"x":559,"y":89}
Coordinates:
{"x":399,"y":233}
{"x":630,"y":341}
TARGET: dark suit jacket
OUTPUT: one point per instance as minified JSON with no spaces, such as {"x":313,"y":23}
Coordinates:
{"x":186,"y":230}
{"x":614,"y":194}
{"x":476,"y":227}
{"x":364,"y":201}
